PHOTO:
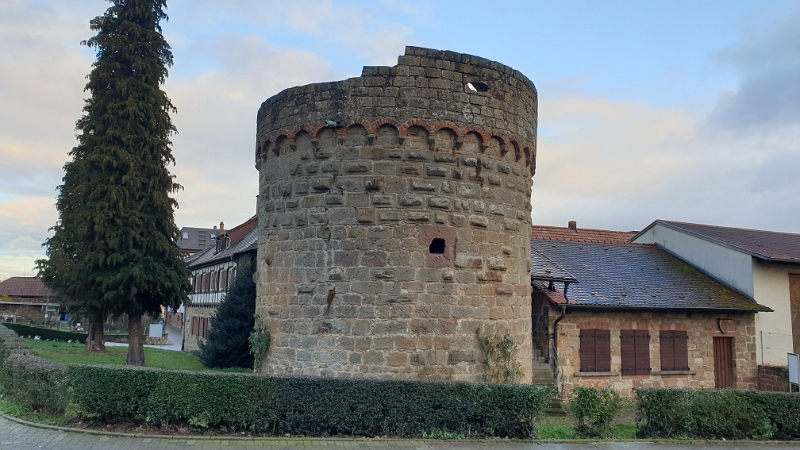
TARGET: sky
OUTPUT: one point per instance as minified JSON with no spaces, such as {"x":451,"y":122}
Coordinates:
{"x":678,"y":110}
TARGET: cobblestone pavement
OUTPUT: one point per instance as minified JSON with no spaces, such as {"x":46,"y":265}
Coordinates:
{"x":14,"y":436}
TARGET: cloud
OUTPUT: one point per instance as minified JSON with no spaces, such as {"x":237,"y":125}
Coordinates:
{"x":25,"y":222}
{"x":365,"y":30}
{"x":215,"y":147}
{"x":621,"y":165}
{"x":767,"y":59}
{"x":42,"y":75}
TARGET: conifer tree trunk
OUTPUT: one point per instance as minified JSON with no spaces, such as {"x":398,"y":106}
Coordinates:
{"x":95,"y":340}
{"x":135,"y":340}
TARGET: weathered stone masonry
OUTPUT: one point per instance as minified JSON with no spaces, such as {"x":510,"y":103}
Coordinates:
{"x":394,"y":215}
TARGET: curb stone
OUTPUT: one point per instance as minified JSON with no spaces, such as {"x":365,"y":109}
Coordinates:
{"x":409,"y":441}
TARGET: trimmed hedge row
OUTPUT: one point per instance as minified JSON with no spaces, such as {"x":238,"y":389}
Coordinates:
{"x":273,"y":405}
{"x":45,"y":333}
{"x":307,"y":406}
{"x":723,"y":414}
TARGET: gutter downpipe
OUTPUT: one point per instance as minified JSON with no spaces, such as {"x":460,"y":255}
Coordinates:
{"x":556,"y":367}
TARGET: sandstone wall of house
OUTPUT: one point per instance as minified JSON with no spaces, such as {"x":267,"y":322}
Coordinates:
{"x":191,"y":342}
{"x":362,"y":183}
{"x":700,"y":327}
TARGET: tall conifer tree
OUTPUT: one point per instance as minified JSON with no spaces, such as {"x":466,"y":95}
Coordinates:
{"x":114,"y":248}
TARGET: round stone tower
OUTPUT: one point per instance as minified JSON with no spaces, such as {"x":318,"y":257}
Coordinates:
{"x":394,"y":217}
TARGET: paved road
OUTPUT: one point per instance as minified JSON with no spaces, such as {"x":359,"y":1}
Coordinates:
{"x":14,"y":436}
{"x":175,"y":341}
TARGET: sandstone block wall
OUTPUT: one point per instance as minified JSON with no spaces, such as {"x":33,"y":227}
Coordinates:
{"x":394,"y":219}
{"x":191,"y":343}
{"x":773,"y":379}
{"x":701,"y":329}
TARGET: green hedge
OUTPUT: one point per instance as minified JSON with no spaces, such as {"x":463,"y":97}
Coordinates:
{"x":271,"y":405}
{"x":723,"y":414}
{"x":46,"y":334}
{"x":307,"y":406}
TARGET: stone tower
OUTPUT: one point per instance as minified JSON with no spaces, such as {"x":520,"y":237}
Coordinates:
{"x":394,"y":216}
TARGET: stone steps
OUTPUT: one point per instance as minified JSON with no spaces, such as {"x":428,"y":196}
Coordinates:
{"x":542,"y":374}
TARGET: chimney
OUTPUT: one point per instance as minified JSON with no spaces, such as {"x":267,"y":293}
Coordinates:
{"x":222,"y":228}
{"x":573,"y":226}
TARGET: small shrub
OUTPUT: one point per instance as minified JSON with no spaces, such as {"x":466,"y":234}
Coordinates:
{"x":594,"y":409}
{"x":260,"y":341}
{"x":31,"y":382}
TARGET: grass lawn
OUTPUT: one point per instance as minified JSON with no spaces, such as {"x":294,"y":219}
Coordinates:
{"x":563,"y":426}
{"x":8,"y":406}
{"x":562,"y":431}
{"x":67,"y":353}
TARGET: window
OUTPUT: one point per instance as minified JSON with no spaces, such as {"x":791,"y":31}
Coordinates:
{"x":200,"y":326}
{"x":595,"y":351}
{"x":437,"y":246}
{"x":223,"y":282}
{"x":674,"y":352}
{"x":635,"y":349}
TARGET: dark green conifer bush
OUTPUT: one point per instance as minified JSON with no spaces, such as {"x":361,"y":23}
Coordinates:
{"x":227,"y":342}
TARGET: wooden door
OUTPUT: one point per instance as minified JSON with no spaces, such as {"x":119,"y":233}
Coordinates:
{"x":723,"y":363}
{"x":794,"y":303}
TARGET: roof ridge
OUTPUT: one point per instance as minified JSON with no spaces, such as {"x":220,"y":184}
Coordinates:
{"x":677,"y":223}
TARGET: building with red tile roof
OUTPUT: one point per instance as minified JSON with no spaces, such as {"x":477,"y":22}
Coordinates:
{"x":607,"y":312}
{"x":24,"y":289}
{"x":574,"y":234}
{"x":764,"y":265}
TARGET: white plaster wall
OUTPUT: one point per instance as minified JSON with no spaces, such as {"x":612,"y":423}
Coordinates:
{"x":206,"y":298}
{"x":729,"y":266}
{"x":771,"y":285}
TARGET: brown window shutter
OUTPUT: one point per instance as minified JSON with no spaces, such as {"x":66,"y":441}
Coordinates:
{"x":681,"y":350}
{"x":587,"y":351}
{"x":642,"y":344}
{"x":603,"y":350}
{"x":667,"y":342}
{"x":194,"y":326}
{"x":627,"y":344}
